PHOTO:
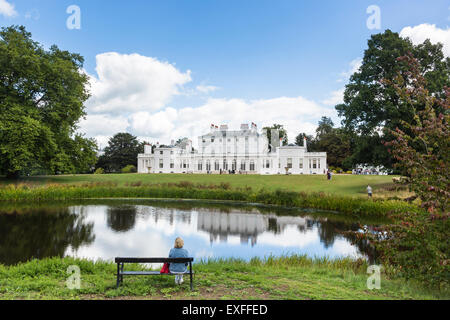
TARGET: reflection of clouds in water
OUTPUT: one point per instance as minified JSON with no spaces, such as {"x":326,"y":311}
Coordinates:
{"x":207,"y":233}
{"x":342,"y":248}
{"x":290,"y":237}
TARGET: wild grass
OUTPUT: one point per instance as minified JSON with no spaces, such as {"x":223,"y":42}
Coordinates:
{"x":293,"y":277}
{"x":344,"y":185}
{"x":188,"y":190}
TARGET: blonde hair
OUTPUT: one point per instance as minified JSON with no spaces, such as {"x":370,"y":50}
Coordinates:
{"x":179,"y":243}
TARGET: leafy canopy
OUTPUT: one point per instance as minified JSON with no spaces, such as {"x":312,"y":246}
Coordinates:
{"x":42,"y":93}
{"x":372,"y":105}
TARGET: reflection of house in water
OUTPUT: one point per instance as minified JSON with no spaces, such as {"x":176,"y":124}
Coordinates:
{"x":245,"y":225}
{"x":164,"y":214}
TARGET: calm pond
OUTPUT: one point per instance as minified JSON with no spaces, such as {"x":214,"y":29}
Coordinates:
{"x":110,"y":228}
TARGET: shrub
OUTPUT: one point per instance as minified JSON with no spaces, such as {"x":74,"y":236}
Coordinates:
{"x":99,"y":171}
{"x":129,"y":169}
{"x":417,"y":247}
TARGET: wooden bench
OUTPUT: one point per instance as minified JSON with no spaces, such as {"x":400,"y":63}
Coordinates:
{"x":121,"y":262}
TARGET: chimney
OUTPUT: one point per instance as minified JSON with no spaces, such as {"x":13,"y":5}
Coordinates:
{"x":223,"y":127}
{"x":147,"y":149}
{"x":244,"y":126}
{"x":172,"y":142}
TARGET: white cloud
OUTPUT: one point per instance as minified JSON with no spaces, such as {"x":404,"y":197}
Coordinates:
{"x":102,"y":127}
{"x":296,"y":114}
{"x":7,"y":9}
{"x":132,"y":83}
{"x":336,"y":97}
{"x":354,"y":66}
{"x":131,"y":93}
{"x":206,"y":89}
{"x":32,"y":14}
{"x":420,"y":33}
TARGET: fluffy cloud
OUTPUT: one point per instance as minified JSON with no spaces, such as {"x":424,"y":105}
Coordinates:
{"x":335,"y":98}
{"x":420,"y":33}
{"x":7,"y":9}
{"x":132,"y":83}
{"x":131,"y":93}
{"x":297,"y":114}
{"x":101,"y":127}
{"x":206,"y":89}
{"x":354,"y":66}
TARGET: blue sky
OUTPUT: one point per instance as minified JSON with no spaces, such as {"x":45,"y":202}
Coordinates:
{"x":228,"y":56}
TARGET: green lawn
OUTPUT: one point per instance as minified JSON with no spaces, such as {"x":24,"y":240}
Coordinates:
{"x":295,"y":277}
{"x":350,"y":185}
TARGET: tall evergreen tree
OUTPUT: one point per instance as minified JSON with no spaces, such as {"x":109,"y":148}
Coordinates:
{"x":122,"y":150}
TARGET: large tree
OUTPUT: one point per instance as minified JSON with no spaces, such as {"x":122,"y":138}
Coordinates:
{"x":336,"y":142}
{"x":42,"y":93}
{"x":122,"y":150}
{"x":424,"y":152}
{"x":371,"y":105}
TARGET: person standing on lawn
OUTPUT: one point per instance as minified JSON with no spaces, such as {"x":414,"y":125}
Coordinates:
{"x":369,"y":191}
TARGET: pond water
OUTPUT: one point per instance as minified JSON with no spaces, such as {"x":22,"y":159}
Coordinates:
{"x":143,"y":228}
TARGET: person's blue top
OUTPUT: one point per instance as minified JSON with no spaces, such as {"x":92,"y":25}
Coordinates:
{"x":178,"y":253}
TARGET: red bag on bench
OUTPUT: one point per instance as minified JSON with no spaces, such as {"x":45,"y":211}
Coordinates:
{"x":165,"y":268}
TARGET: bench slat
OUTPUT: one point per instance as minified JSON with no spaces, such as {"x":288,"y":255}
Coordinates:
{"x":147,"y":273}
{"x":153,"y":260}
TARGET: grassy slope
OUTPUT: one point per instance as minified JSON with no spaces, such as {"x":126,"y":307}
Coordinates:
{"x":350,"y":185}
{"x":283,"y":278}
{"x":291,"y":279}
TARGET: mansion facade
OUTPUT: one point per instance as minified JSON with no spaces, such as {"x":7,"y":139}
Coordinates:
{"x":225,"y":151}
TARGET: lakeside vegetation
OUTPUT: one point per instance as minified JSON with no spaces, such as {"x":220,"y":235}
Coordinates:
{"x":345,"y":185}
{"x":356,"y":206}
{"x":293,"y":277}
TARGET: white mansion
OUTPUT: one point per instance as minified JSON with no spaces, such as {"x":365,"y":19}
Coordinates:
{"x":224,"y":151}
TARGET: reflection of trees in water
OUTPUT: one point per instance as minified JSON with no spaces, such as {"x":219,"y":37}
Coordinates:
{"x":273,"y":226}
{"x":41,"y":234}
{"x":362,"y":244}
{"x":329,"y":230}
{"x":121,"y":218}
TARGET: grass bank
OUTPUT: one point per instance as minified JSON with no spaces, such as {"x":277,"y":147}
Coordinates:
{"x":187,"y":190}
{"x":295,"y":277}
{"x":343,"y":185}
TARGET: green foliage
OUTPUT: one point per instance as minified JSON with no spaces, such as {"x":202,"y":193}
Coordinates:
{"x":122,"y":150}
{"x":417,"y":247}
{"x":187,"y":190}
{"x":41,"y":101}
{"x":299,"y":140}
{"x":336,"y":142}
{"x":129,"y":169}
{"x":99,"y":171}
{"x":291,"y":277}
{"x":370,"y":104}
{"x":422,"y":147}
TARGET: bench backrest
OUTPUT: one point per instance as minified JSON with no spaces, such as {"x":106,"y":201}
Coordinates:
{"x":153,"y":260}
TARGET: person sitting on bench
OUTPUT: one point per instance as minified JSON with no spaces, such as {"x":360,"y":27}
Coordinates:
{"x":178,"y":252}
